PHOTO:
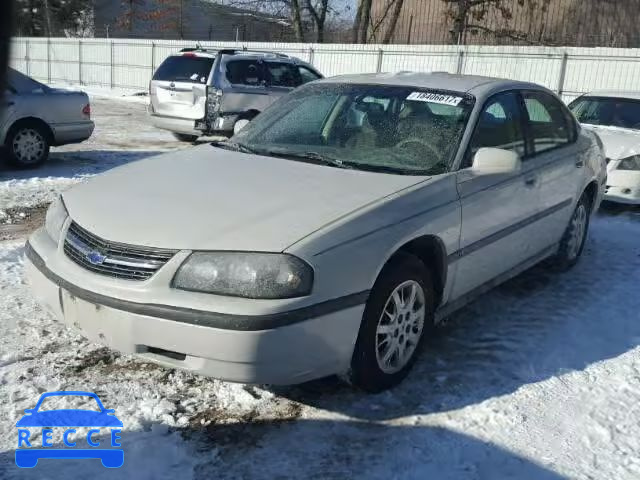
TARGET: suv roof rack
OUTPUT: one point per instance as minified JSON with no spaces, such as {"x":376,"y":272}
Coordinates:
{"x":237,"y":51}
{"x":197,"y":49}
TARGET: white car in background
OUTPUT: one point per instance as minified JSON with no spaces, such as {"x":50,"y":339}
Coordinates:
{"x":615,"y":117}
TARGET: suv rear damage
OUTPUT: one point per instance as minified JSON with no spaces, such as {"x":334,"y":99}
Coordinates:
{"x":212,"y":92}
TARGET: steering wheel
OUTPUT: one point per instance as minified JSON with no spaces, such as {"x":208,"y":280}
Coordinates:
{"x":420,"y":143}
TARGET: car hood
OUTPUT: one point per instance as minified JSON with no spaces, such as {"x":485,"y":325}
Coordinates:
{"x":69,"y":418}
{"x":207,"y":198}
{"x":618,"y":142}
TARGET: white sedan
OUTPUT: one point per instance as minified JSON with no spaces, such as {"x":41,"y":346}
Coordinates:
{"x":330,"y":234}
{"x":615,"y":117}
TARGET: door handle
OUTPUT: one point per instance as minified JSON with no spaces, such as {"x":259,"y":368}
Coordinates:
{"x":530,"y":181}
{"x":580,"y":163}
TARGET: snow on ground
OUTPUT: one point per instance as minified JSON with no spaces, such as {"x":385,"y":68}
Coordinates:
{"x":97,"y":91}
{"x":540,"y":379}
{"x":122,"y":134}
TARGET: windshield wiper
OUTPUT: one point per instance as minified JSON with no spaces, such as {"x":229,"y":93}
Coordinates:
{"x":236,"y":147}
{"x":311,"y":157}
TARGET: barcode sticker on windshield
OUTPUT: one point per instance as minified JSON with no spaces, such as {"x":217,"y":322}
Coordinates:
{"x":435,"y":98}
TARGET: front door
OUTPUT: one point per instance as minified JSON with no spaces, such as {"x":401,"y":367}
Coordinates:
{"x":496,"y":233}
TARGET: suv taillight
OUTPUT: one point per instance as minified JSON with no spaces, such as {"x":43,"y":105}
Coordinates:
{"x":87,"y":110}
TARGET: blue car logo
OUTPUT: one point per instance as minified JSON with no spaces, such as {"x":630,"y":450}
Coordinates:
{"x":27,"y":456}
{"x":96,"y":258}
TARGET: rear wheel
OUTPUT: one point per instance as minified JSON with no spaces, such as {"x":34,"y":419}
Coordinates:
{"x":575,"y":236}
{"x":183,"y":137}
{"x":28,"y":145}
{"x":397,"y":315}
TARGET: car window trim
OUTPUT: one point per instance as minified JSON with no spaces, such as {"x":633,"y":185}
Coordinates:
{"x":571,"y":124}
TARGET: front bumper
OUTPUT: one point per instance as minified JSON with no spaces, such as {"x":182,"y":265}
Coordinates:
{"x":286,"y":348}
{"x":625,"y":195}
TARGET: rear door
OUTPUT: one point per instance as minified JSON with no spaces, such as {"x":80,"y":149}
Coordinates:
{"x":246,"y":81}
{"x":179,"y":86}
{"x":558,"y":160}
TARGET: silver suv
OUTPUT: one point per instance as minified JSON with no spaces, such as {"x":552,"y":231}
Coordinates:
{"x":207,"y":92}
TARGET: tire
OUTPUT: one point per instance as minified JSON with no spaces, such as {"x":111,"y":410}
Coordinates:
{"x":28,"y":145}
{"x":183,"y":137}
{"x":575,"y":236}
{"x":373,"y":367}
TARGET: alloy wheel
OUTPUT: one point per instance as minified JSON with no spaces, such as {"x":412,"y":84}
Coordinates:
{"x":400,"y":326}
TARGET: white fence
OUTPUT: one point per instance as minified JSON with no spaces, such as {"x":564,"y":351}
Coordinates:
{"x":129,"y":64}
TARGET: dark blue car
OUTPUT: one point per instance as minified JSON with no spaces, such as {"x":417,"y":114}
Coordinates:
{"x":28,"y":457}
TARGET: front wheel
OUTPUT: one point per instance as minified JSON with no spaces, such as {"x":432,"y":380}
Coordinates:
{"x":575,"y":236}
{"x":398,"y":312}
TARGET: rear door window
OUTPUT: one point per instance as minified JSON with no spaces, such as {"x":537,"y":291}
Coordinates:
{"x":549,"y":126}
{"x":188,"y":69}
{"x":283,"y":74}
{"x":245,"y":72}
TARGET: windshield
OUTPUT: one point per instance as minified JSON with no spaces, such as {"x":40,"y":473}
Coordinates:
{"x":392,"y":129}
{"x":613,"y":112}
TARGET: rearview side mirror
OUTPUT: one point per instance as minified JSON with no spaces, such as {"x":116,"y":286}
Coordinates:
{"x":239,"y":125}
{"x":496,"y":160}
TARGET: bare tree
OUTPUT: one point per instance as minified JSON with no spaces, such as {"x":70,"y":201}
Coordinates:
{"x":491,"y":17}
{"x":361,"y":22}
{"x":318,"y":12}
{"x":371,"y":25}
{"x":304,"y":14}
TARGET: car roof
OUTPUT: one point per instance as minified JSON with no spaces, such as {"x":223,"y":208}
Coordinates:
{"x":476,"y":85}
{"x":633,"y":95}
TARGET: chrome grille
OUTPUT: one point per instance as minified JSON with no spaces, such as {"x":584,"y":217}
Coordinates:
{"x":113,"y":259}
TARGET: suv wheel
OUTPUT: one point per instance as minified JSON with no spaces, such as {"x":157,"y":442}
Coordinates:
{"x":575,"y":236}
{"x":182,"y":137}
{"x":28,"y":145}
{"x":398,"y":312}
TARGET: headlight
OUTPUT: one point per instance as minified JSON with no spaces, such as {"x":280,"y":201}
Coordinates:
{"x":244,"y":274}
{"x":56,"y":216}
{"x":630,"y":163}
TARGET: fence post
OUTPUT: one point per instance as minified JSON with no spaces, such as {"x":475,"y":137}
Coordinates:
{"x":563,"y":73}
{"x":380,"y":55}
{"x":111,"y":65}
{"x":153,"y":58}
{"x":48,"y":60}
{"x":460,"y":66}
{"x":26,"y":57}
{"x":311,"y":55}
{"x":80,"y":61}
